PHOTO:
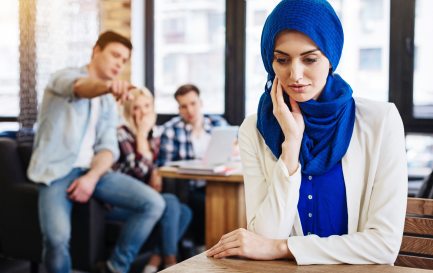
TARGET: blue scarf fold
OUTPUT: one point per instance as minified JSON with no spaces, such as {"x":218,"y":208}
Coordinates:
{"x":329,"y":123}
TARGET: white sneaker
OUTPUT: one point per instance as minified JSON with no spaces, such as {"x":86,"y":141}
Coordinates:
{"x":150,"y":269}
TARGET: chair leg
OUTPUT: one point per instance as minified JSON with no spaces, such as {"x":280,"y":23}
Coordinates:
{"x":34,"y":267}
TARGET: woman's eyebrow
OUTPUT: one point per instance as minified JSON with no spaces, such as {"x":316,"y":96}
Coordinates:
{"x":281,"y":52}
{"x":302,"y":54}
{"x":309,"y":52}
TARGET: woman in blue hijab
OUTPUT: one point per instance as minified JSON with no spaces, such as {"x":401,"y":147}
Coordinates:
{"x":325,"y":174}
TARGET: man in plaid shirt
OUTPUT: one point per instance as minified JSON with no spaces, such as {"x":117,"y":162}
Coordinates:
{"x":186,"y":137}
{"x":179,"y":135}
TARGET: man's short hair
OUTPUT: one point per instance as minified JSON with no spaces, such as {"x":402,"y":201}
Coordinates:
{"x":185,"y":89}
{"x":112,"y":37}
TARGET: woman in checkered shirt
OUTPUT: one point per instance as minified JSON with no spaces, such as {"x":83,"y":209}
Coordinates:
{"x":138,"y":149}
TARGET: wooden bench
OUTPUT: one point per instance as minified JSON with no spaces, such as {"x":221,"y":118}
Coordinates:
{"x":417,"y":246}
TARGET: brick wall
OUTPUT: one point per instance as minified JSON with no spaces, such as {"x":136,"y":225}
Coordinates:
{"x":116,"y":16}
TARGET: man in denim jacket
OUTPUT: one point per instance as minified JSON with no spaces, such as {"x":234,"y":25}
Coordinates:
{"x":74,"y":149}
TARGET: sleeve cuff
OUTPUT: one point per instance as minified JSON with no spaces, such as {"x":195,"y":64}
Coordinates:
{"x":285,"y":171}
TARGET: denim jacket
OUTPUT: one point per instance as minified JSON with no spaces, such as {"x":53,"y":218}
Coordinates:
{"x":62,"y":122}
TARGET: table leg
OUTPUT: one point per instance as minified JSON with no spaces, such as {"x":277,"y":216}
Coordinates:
{"x":225,"y":210}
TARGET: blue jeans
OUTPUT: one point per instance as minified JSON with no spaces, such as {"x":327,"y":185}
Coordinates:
{"x":173,"y":223}
{"x":143,"y":204}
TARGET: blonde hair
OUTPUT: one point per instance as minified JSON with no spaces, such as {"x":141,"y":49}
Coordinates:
{"x":128,"y":106}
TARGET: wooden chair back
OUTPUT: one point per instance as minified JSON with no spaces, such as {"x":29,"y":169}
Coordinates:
{"x":417,"y":246}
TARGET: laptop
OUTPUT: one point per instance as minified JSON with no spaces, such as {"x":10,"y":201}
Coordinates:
{"x":218,"y":153}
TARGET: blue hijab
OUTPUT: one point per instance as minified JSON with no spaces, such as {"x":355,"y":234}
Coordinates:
{"x":329,"y":120}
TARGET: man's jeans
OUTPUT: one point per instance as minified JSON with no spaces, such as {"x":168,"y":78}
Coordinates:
{"x":144,"y":205}
{"x":173,"y":223}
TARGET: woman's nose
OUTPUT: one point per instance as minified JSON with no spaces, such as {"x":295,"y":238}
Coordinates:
{"x":296,"y":71}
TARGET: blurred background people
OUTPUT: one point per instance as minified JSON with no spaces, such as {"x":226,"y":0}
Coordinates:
{"x":138,"y":149}
{"x":74,"y":149}
{"x":186,"y":137}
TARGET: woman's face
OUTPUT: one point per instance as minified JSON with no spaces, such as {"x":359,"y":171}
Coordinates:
{"x":141,"y":107}
{"x":300,"y":66}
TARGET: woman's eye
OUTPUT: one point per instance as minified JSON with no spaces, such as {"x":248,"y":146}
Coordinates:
{"x":281,"y":60}
{"x":310,"y":60}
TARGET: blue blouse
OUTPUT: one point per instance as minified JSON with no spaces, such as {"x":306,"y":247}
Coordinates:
{"x":322,"y":203}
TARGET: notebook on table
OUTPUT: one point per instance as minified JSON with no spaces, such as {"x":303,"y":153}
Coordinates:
{"x":217,"y":155}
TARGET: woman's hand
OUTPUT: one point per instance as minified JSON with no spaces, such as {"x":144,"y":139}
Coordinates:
{"x":145,"y":123}
{"x":292,"y":125}
{"x":242,"y":242}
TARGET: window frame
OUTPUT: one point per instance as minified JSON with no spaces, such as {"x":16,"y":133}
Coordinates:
{"x":8,"y":119}
{"x":402,"y":65}
{"x":234,"y":102}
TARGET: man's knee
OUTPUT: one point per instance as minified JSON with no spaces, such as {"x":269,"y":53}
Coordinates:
{"x":57,"y":241}
{"x":153,"y":203}
{"x":159,"y":204}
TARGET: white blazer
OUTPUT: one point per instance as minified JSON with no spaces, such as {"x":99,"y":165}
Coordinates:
{"x":375,"y":174}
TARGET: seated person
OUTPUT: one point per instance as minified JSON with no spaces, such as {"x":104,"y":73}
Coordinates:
{"x":325,"y":173}
{"x":74,"y":149}
{"x":137,"y":152}
{"x":186,"y":137}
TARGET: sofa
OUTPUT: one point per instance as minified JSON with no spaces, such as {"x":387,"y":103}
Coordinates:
{"x":20,"y":235}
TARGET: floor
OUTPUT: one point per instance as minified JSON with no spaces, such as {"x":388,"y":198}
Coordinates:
{"x":14,"y":266}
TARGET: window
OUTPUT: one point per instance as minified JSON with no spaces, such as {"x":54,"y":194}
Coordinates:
{"x":370,"y":11}
{"x":365,"y":52}
{"x":255,"y":73}
{"x":64,"y":32}
{"x":423,"y":59}
{"x":189,"y":48}
{"x":411,"y":42}
{"x":370,"y":59}
{"x":9,"y":56}
{"x":419,"y":149}
{"x":420,"y":153}
{"x":77,"y":23}
{"x":174,"y":30}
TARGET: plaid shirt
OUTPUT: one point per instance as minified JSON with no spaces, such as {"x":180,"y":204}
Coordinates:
{"x":176,"y":143}
{"x":131,"y":162}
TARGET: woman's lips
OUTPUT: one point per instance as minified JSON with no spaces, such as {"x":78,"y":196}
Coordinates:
{"x":298,"y":88}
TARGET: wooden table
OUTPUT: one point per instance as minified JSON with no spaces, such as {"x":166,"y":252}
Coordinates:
{"x":201,"y":263}
{"x":225,"y":202}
